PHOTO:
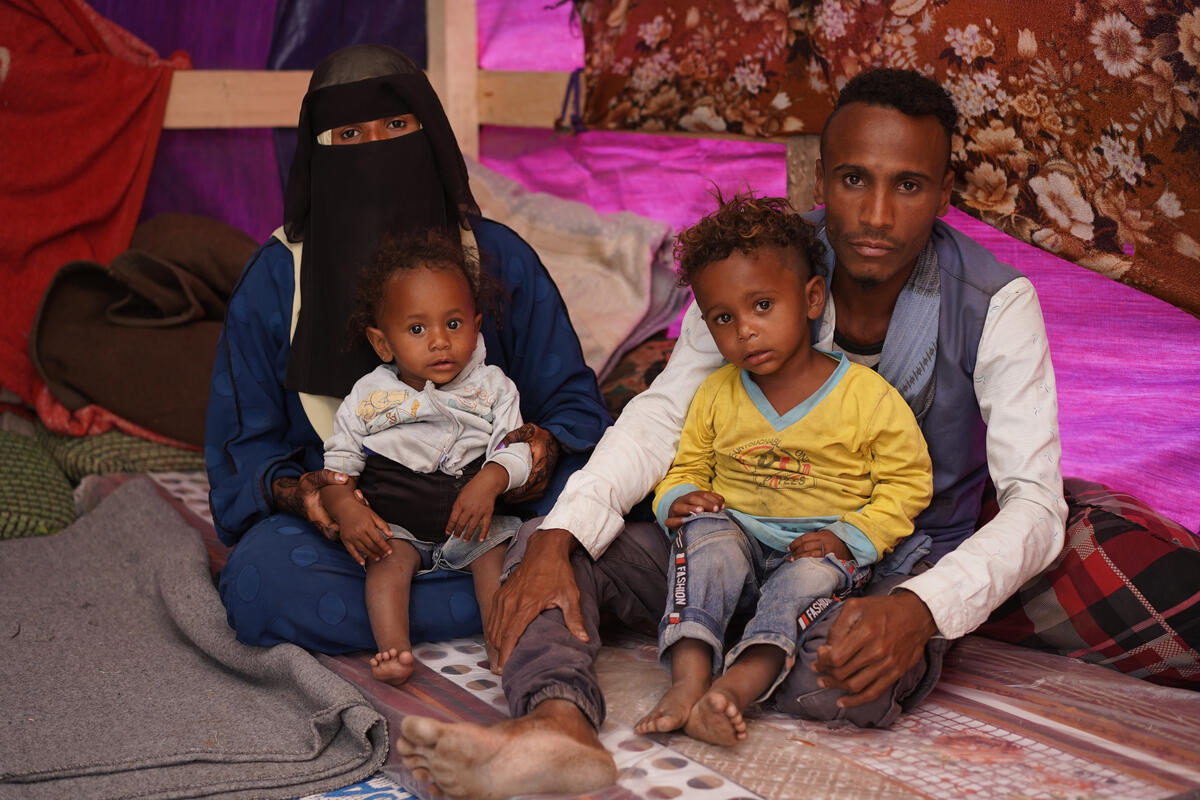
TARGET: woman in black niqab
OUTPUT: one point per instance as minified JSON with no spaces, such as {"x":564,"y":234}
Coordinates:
{"x":341,"y":201}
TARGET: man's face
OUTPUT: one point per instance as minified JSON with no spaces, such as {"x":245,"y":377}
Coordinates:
{"x":883,"y":179}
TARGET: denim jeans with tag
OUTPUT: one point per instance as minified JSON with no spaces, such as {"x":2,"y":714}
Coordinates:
{"x":719,"y":570}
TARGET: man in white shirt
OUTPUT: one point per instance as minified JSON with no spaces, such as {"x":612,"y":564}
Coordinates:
{"x":961,"y":337}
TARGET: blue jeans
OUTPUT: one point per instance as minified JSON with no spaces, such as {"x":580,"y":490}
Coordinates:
{"x":455,"y":553}
{"x":719,"y":570}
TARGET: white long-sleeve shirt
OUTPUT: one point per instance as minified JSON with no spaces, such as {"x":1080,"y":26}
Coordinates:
{"x":1014,"y":385}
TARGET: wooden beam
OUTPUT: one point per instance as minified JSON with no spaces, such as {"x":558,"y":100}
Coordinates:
{"x":521,"y":99}
{"x":454,"y":66}
{"x":802,"y":154}
{"x":235,"y":98}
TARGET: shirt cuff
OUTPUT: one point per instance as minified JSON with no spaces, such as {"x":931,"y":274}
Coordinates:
{"x":862,"y":550}
{"x":601,"y":524}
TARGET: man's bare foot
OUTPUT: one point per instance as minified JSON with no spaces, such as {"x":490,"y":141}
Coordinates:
{"x":535,"y":754}
{"x":716,"y":719}
{"x":672,"y":710}
{"x":493,"y":657}
{"x":392,"y":666}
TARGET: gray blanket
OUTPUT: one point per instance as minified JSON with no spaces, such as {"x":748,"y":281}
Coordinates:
{"x":119,"y":677}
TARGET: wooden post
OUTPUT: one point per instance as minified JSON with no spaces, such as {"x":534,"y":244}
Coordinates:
{"x":453,"y":67}
{"x":802,"y":154}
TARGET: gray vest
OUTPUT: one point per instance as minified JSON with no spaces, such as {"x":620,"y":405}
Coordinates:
{"x":953,"y":427}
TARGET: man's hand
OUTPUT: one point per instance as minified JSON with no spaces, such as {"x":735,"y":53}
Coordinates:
{"x":544,"y":449}
{"x":693,"y":503}
{"x":544,"y":579}
{"x":475,"y":503}
{"x":817,"y":544}
{"x":872,"y":644}
{"x":302,"y":497}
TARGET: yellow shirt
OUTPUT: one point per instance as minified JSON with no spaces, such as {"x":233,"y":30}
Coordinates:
{"x":850,"y":458}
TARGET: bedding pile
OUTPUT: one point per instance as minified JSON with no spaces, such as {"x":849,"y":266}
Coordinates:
{"x":123,"y":679}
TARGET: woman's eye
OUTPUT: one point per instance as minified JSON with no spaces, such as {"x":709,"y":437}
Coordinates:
{"x":397,"y":123}
{"x":348,"y":133}
{"x":416,"y":330}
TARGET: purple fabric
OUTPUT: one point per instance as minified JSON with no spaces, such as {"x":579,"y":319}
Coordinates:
{"x":1126,"y":366}
{"x":229,"y":175}
{"x":533,"y":35}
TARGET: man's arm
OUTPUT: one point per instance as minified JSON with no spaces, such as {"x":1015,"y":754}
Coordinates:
{"x":876,"y":640}
{"x":1014,"y":384}
{"x":630,"y":459}
{"x":636,"y":452}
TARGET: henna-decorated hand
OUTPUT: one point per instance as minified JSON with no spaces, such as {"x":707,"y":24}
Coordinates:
{"x":545,"y":450}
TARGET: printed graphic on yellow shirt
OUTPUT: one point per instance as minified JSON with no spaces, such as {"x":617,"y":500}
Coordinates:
{"x":775,"y":467}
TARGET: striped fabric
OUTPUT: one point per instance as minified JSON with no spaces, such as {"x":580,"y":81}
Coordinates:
{"x":1123,"y":593}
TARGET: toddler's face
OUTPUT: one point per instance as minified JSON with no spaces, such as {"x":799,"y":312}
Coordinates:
{"x":427,"y":324}
{"x":758,"y":308}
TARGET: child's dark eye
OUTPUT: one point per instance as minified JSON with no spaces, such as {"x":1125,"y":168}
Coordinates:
{"x":416,"y":330}
{"x":763,"y":305}
{"x":454,"y":324}
{"x":722,"y":319}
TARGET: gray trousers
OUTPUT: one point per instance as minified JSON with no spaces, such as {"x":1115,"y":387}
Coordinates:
{"x":628,"y":583}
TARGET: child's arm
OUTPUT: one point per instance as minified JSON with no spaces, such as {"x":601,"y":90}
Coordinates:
{"x":473,"y":507}
{"x":692,"y":503}
{"x":818,"y":544}
{"x":901,"y":474}
{"x":363,"y":532}
{"x":691,"y":473}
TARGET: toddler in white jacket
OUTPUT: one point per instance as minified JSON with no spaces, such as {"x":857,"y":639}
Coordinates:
{"x":420,"y":437}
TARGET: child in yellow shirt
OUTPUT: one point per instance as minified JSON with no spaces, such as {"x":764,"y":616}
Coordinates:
{"x":796,"y":469}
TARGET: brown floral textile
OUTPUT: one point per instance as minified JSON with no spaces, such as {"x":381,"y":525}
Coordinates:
{"x":1079,"y":129}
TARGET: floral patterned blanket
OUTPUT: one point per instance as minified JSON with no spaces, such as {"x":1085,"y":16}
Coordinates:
{"x":1079,"y":123}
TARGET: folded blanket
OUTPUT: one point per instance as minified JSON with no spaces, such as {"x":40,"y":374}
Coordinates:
{"x":122,"y":679}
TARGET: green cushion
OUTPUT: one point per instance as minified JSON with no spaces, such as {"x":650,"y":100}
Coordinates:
{"x":115,"y":451}
{"x":35,"y":495}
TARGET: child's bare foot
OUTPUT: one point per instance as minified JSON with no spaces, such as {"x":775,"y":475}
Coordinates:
{"x":392,"y":666}
{"x":716,"y":719}
{"x":672,"y":710}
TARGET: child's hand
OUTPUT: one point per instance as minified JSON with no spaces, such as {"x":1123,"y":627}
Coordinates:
{"x":816,"y":545}
{"x":693,"y":503}
{"x":364,"y":533}
{"x":475,"y":503}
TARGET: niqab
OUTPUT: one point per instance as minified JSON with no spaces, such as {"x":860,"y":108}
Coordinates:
{"x":342,"y":200}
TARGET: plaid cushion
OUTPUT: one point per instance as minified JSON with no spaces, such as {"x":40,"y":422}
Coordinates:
{"x":1123,"y":593}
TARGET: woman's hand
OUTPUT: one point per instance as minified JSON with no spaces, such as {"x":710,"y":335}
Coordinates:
{"x":545,"y":450}
{"x":302,"y":497}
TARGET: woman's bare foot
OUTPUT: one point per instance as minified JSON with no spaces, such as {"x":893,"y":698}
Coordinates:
{"x":392,"y":666}
{"x":716,"y":719}
{"x":542,"y":753}
{"x":672,"y":710}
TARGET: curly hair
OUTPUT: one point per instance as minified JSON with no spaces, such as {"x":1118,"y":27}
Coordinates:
{"x":416,"y":249}
{"x":745,"y":223}
{"x":905,"y":90}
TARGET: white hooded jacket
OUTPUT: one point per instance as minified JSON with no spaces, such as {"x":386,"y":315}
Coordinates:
{"x":435,"y":429}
